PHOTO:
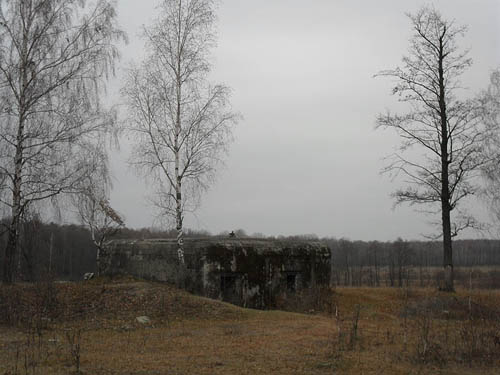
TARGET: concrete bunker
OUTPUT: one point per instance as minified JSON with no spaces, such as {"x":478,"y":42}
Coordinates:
{"x":246,"y":272}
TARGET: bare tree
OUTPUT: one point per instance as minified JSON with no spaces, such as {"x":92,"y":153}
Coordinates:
{"x":181,"y":123}
{"x":54,"y":57}
{"x":491,"y":113}
{"x":446,"y":130}
{"x":400,"y":253}
{"x":94,"y":210}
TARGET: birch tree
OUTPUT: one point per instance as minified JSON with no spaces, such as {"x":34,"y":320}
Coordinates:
{"x":447,"y":131}
{"x":180,"y":122}
{"x":54,"y":58}
{"x":91,"y":201}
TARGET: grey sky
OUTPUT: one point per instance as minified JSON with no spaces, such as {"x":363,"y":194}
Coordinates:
{"x":306,"y":157}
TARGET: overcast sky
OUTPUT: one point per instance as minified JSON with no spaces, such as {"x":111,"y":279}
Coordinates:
{"x":306,"y":157}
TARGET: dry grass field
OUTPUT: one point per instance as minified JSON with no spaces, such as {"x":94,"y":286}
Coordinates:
{"x":60,"y":328}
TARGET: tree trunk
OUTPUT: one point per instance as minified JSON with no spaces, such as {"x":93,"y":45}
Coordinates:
{"x":10,"y":251}
{"x":392,"y":271}
{"x":98,"y":260}
{"x":178,"y":177}
{"x":14,"y":227}
{"x":102,"y":259}
{"x":447,"y":252}
{"x":13,"y":238}
{"x":445,"y":183}
{"x":178,"y":221}
{"x":445,"y":207}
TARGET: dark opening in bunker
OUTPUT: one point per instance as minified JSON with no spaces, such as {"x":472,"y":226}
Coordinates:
{"x":291,"y":282}
{"x":230,"y":286}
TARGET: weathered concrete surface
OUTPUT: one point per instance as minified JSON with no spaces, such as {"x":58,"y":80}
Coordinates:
{"x":246,"y":272}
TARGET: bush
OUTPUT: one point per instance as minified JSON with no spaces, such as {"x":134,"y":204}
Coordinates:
{"x":317,"y":299}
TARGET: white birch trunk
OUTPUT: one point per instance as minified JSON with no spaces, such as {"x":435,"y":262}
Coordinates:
{"x":178,"y":177}
{"x":13,"y":239}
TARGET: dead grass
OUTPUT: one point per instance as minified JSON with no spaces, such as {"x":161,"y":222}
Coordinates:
{"x":193,"y":335}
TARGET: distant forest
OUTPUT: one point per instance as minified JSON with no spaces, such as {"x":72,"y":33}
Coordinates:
{"x":66,"y":252}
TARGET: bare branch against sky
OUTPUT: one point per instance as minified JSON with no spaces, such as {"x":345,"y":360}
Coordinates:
{"x":306,"y":159}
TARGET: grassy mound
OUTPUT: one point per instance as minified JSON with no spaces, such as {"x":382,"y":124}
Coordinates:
{"x":103,"y":301}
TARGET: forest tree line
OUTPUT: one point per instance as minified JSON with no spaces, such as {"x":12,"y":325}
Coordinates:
{"x":413,"y":263}
{"x":66,"y":252}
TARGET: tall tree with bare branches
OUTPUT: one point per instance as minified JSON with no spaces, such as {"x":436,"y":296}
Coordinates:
{"x":181,"y":123}
{"x":54,"y":58}
{"x":491,"y":113}
{"x":446,"y":131}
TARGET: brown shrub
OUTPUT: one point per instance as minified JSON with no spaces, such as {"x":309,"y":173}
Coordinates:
{"x":317,"y":299}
